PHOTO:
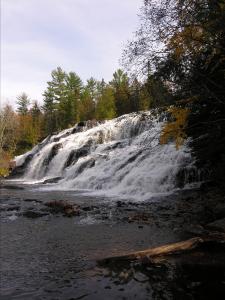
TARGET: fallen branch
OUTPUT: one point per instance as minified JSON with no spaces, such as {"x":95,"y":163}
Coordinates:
{"x":169,"y":249}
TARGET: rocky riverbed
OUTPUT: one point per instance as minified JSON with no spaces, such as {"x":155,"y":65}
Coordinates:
{"x":51,"y":243}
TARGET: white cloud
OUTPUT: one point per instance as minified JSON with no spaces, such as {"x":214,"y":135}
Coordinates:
{"x":80,"y":35}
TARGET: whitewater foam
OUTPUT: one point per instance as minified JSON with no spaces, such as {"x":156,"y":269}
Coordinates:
{"x":121,"y":157}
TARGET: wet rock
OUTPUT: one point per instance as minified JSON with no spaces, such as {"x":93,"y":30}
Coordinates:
{"x":195,"y":229}
{"x":89,"y":208}
{"x":20,"y":170}
{"x":52,"y":154}
{"x":81,"y":124}
{"x":63,"y":207}
{"x":140,"y":277}
{"x":115,"y":145}
{"x":78,"y":153}
{"x":71,"y":212}
{"x":140,"y":217}
{"x":218,"y":225}
{"x":11,"y":208}
{"x":32,"y":200}
{"x":86,"y":164}
{"x":130,"y":160}
{"x":52,"y":180}
{"x":219,"y":211}
{"x":33,"y":214}
{"x":11,"y":187}
{"x":119,"y":203}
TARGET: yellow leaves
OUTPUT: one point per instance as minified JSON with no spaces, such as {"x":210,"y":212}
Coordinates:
{"x":189,"y":39}
{"x":175,"y":130}
{"x":4,"y":163}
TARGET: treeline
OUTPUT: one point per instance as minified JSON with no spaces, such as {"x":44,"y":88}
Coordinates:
{"x":67,"y":100}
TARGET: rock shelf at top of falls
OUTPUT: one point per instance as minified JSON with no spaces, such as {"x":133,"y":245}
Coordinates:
{"x":121,"y":157}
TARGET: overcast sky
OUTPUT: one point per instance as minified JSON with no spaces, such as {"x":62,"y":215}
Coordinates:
{"x":85,"y":36}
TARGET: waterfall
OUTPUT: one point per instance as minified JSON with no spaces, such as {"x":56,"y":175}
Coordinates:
{"x":121,"y":157}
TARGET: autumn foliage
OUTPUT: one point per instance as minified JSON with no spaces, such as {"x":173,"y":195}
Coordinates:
{"x":175,"y":129}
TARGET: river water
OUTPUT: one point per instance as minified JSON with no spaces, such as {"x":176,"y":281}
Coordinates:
{"x":51,"y":256}
{"x":54,"y":257}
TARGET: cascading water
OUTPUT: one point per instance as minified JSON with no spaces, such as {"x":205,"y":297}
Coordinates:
{"x":120,"y":157}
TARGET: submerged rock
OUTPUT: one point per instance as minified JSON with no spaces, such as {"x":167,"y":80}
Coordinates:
{"x":33,"y":214}
{"x":63,"y":207}
{"x":218,"y":225}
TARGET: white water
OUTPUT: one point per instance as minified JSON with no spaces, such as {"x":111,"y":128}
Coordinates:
{"x":124,"y":158}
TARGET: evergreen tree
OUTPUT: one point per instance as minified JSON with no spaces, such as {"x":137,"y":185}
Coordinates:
{"x":74,"y":87}
{"x":50,"y":113}
{"x":88,"y":100}
{"x":36,"y":116}
{"x":120,"y":84}
{"x":23,"y":102}
{"x":105,"y":108}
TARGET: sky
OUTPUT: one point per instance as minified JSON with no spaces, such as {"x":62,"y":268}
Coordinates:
{"x":84,"y":36}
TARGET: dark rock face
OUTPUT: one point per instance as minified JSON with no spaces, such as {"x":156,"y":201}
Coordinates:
{"x":52,"y":180}
{"x":81,"y":124}
{"x":87,"y":164}
{"x":20,"y":170}
{"x":52,"y":153}
{"x":76,"y":154}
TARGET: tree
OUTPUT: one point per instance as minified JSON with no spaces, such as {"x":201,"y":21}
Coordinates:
{"x":8,"y":129}
{"x":36,"y":116}
{"x":55,"y":101}
{"x":23,"y":102}
{"x":183,"y":42}
{"x":120,"y":84}
{"x":8,"y":137}
{"x":88,"y":100}
{"x":74,"y":89}
{"x":105,"y":108}
{"x":50,"y":113}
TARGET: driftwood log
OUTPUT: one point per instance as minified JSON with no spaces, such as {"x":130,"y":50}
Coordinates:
{"x":170,"y":249}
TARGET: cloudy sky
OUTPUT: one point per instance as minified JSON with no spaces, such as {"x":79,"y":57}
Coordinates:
{"x":85,"y":36}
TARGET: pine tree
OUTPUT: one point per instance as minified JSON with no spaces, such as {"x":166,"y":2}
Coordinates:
{"x":120,"y":84}
{"x":23,"y":102}
{"x":74,"y":87}
{"x":50,"y":113}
